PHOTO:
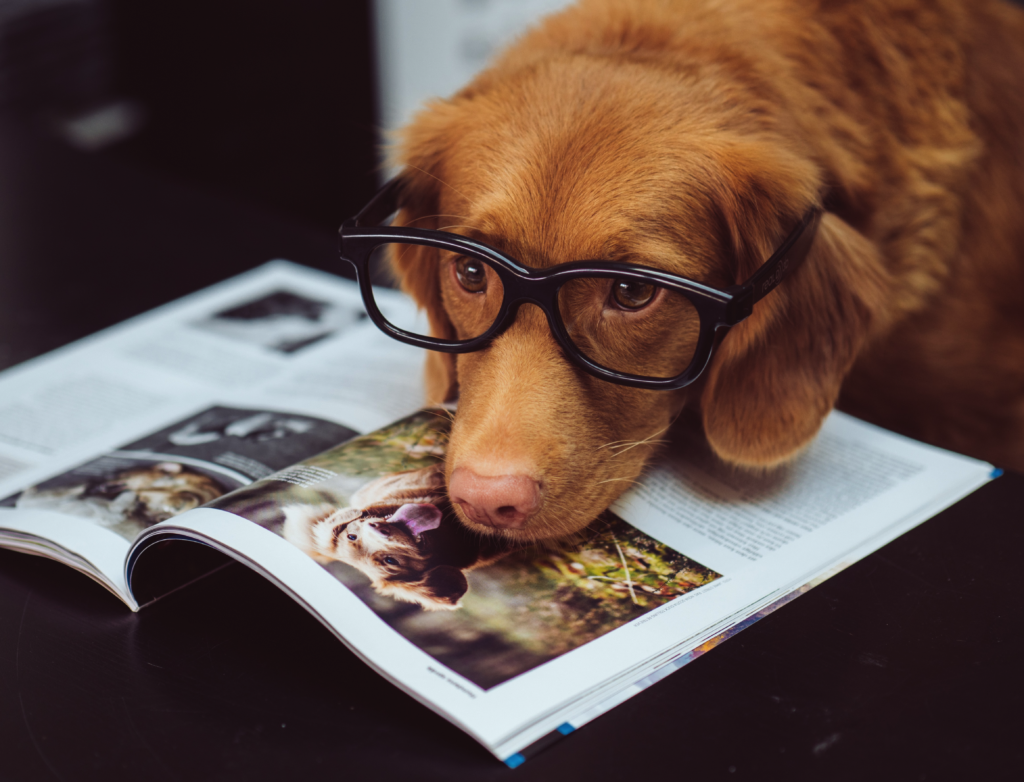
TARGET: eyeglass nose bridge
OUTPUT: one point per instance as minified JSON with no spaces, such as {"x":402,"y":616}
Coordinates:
{"x":521,"y":294}
{"x":513,"y":303}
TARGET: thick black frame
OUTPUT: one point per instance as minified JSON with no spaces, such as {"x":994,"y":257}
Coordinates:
{"x":717,"y":309}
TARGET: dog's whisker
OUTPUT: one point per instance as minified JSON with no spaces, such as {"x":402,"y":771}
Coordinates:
{"x":613,"y":444}
{"x":437,"y":178}
{"x":624,"y":445}
{"x":660,"y":431}
{"x":613,"y":480}
{"x":633,"y":443}
{"x":431,"y":217}
{"x":443,"y":413}
{"x":638,"y":443}
{"x":646,"y":441}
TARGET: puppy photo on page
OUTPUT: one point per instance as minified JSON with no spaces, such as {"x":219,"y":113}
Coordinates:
{"x":755,"y":210}
{"x":373,"y":513}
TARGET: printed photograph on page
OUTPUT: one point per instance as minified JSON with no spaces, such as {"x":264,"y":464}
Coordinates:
{"x":282,"y":321}
{"x":374,"y":513}
{"x":180,"y":467}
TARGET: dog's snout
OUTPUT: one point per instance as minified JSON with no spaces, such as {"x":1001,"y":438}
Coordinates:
{"x":501,"y":501}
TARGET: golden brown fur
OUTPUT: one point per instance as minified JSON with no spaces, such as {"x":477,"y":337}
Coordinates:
{"x":691,"y":135}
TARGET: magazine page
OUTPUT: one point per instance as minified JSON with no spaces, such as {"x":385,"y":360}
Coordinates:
{"x":857,"y":488}
{"x":515,"y":644}
{"x":776,"y":534}
{"x":95,"y":510}
{"x":131,"y":426}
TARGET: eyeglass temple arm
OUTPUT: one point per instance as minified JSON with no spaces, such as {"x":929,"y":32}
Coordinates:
{"x":380,"y":208}
{"x":784,"y":261}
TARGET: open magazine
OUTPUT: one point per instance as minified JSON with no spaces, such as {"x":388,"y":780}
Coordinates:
{"x":266,"y":421}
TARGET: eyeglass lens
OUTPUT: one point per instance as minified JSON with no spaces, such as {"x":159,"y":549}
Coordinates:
{"x":470,"y":289}
{"x":626,"y":326}
{"x":630,"y":326}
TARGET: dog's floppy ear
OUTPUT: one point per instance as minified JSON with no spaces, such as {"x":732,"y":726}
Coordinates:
{"x":444,"y":587}
{"x":777,"y":374}
{"x":440,"y":589}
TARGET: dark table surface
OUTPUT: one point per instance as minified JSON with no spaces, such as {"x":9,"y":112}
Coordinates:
{"x":904,"y":666}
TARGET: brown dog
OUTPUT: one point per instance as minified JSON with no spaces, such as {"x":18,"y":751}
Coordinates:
{"x":691,"y":135}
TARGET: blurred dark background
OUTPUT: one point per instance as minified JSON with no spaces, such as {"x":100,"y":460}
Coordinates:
{"x":149,"y":148}
{"x":269,"y":102}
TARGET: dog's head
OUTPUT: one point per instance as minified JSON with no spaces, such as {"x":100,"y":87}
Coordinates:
{"x":619,"y":152}
{"x":387,"y":544}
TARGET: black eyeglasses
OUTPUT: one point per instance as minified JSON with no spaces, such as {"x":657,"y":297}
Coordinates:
{"x":621,"y":322}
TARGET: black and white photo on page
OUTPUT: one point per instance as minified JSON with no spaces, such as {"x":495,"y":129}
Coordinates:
{"x":282,"y":320}
{"x":181,"y":467}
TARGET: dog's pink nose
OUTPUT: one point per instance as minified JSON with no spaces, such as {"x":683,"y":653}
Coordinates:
{"x":501,"y":501}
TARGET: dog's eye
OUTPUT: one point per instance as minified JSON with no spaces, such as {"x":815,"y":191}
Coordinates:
{"x":390,"y":561}
{"x":471,"y":274}
{"x":352,"y":537}
{"x":632,"y":294}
